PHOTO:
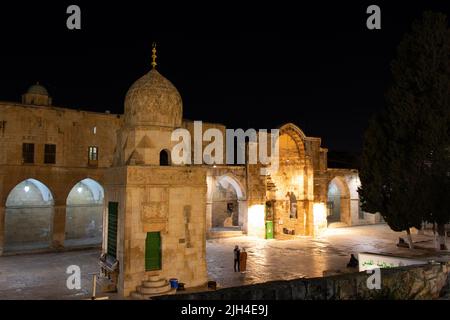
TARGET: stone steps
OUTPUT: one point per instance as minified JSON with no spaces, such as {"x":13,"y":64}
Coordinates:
{"x":153,"y":290}
{"x":154,"y":286}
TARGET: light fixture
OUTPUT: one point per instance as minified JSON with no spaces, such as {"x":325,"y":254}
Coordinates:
{"x":319,"y":214}
{"x":26,"y":189}
{"x":80,"y":189}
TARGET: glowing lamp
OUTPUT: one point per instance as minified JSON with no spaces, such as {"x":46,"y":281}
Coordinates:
{"x":256,"y":223}
{"x":320,"y":213}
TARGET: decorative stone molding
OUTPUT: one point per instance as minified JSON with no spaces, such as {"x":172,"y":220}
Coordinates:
{"x":165,"y":176}
{"x":154,"y":212}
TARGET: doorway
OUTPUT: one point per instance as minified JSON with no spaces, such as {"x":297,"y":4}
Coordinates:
{"x":153,"y":251}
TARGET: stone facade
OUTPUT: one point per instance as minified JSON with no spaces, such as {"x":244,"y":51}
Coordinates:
{"x":72,"y":132}
{"x":168,"y":200}
{"x":75,"y":156}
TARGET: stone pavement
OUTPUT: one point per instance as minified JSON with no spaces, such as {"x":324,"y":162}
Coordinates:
{"x":304,"y":257}
{"x":42,"y":276}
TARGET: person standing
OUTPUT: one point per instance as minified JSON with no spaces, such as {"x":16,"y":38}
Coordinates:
{"x":237,"y":254}
{"x":243,"y":260}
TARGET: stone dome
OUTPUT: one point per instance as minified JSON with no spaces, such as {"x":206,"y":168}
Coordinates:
{"x":37,"y":95}
{"x":153,"y":101}
{"x":37,"y":89}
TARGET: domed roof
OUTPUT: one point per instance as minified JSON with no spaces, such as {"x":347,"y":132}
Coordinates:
{"x":37,"y":89}
{"x":153,"y":100}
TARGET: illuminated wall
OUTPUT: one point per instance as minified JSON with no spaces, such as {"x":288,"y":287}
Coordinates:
{"x":29,"y":216}
{"x":84,"y":214}
{"x":291,"y":205}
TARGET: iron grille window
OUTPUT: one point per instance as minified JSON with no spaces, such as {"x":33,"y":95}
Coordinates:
{"x":93,"y":154}
{"x":28,"y":152}
{"x":50,"y":153}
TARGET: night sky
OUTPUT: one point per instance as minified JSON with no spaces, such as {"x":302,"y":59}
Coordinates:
{"x":258,"y":65}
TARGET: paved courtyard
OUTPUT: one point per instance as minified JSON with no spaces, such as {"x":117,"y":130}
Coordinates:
{"x":42,"y":276}
{"x":305,"y":257}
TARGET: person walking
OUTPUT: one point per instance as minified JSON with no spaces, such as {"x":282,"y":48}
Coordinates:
{"x":243,"y":260}
{"x":237,"y":263}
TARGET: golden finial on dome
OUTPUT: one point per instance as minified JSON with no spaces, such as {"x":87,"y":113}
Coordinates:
{"x":154,"y":55}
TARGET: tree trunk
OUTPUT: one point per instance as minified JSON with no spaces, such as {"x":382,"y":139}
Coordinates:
{"x":410,"y":242}
{"x":442,"y":236}
{"x":436,"y":246}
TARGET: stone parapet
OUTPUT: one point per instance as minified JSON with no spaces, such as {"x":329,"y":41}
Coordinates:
{"x":405,"y":283}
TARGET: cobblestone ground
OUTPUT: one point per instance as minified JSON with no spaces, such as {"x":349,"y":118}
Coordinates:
{"x":42,"y":276}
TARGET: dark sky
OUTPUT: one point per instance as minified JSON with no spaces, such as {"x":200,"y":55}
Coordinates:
{"x":258,"y":65}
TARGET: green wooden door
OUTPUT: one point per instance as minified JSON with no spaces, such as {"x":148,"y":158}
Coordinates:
{"x":153,"y":251}
{"x":112,"y":229}
{"x":269,"y":229}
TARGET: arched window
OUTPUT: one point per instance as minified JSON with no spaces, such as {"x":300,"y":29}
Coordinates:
{"x":164,"y":158}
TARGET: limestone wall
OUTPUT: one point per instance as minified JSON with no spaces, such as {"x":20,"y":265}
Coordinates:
{"x":294,"y":186}
{"x":169,"y":200}
{"x":84,"y":221}
{"x":350,"y":208}
{"x":72,"y":131}
{"x":413,"y":282}
{"x":234,"y":177}
{"x":58,"y":180}
{"x":256,"y":201}
{"x":28,"y":225}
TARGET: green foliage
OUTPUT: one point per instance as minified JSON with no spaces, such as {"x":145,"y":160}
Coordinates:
{"x":405,"y":162}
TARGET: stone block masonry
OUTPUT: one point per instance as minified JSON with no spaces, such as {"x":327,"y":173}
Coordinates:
{"x":422,"y":282}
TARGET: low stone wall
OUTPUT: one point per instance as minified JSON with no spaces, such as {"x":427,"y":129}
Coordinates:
{"x":404,"y":283}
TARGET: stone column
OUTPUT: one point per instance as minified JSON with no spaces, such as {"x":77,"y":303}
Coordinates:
{"x":59,"y":226}
{"x":208,"y":224}
{"x":243,"y":215}
{"x":346,"y":213}
{"x":309,"y":218}
{"x":105,"y":225}
{"x":2,"y":229}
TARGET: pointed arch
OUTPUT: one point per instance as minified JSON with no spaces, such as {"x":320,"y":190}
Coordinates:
{"x":84,"y":213}
{"x":338,"y":201}
{"x":228,"y":204}
{"x":164,"y":158}
{"x":28,"y":216}
{"x":234,"y":182}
